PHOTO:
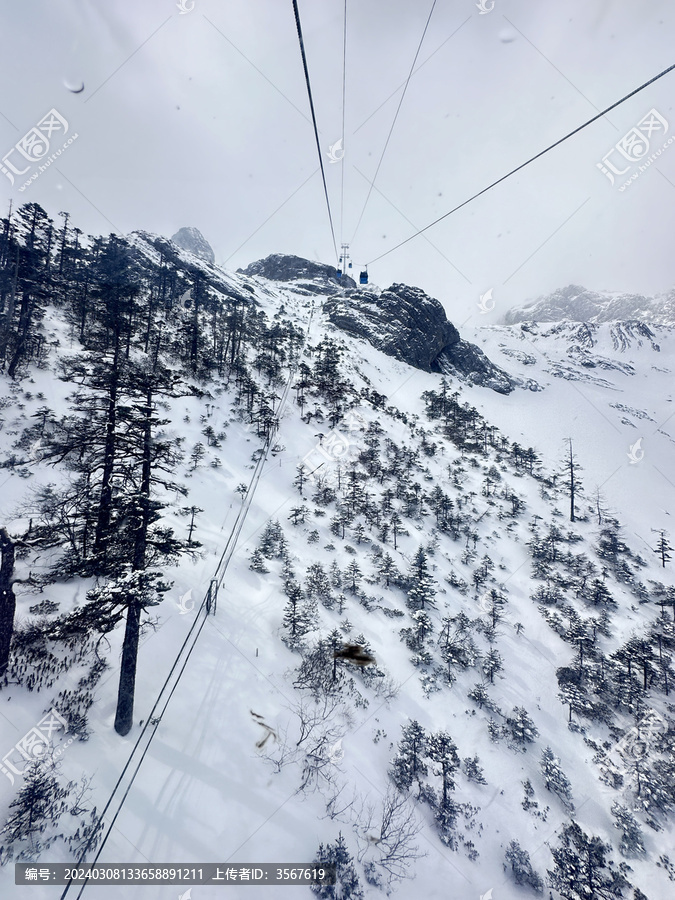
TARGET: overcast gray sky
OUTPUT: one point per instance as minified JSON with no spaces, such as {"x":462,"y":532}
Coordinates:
{"x":202,"y":119}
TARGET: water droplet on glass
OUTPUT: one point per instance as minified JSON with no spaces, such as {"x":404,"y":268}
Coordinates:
{"x":74,"y":85}
{"x":507,"y":35}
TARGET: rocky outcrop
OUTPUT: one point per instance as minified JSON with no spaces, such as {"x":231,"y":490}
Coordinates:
{"x":407,"y":324}
{"x":468,"y":361}
{"x":283,"y":267}
{"x":192,"y":240}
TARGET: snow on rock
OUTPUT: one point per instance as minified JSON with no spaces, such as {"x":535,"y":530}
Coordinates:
{"x":577,"y":304}
{"x":407,"y":324}
{"x":193,"y":240}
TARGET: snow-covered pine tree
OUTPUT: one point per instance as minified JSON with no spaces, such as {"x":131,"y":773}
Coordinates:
{"x":523,"y":730}
{"x":317,"y":584}
{"x":297,"y":621}
{"x":421,"y":590}
{"x":257,"y":563}
{"x":417,"y":635}
{"x":272,"y":541}
{"x":408,"y":764}
{"x":473,"y":770}
{"x":387,"y":570}
{"x":521,"y":867}
{"x":347,"y":885}
{"x":555,"y":779}
{"x":40,"y":802}
{"x":632,"y":843}
{"x":441,"y":749}
{"x":583,"y":867}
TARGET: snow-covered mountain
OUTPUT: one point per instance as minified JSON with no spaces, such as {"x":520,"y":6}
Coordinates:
{"x":355,"y":478}
{"x":577,"y":304}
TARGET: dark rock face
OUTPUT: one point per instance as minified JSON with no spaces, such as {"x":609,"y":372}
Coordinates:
{"x":402,"y":321}
{"x":282,"y":267}
{"x":407,"y":324}
{"x":468,"y":360}
{"x":192,"y":240}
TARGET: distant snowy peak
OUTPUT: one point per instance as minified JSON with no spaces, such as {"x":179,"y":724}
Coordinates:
{"x":192,"y":240}
{"x":577,"y":304}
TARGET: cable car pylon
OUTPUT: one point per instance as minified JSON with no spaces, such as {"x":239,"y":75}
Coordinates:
{"x":345,"y":262}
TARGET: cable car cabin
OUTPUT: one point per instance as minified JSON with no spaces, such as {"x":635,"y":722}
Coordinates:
{"x":363,"y":277}
{"x":338,"y":273}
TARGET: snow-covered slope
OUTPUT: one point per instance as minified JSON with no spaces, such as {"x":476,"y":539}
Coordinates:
{"x":608,"y":386}
{"x":206,"y":791}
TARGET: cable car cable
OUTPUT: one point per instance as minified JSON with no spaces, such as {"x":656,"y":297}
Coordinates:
{"x":344,"y":85}
{"x":398,"y":109}
{"x":526,"y":163}
{"x":316,"y":130}
{"x":153,"y":720}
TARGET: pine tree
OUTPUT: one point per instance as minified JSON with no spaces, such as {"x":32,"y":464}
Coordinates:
{"x":335,"y":575}
{"x":441,"y":749}
{"x":523,"y":729}
{"x":521,"y":867}
{"x":352,"y":576}
{"x":317,"y":583}
{"x":555,"y":779}
{"x":408,"y":764}
{"x":347,"y":886}
{"x":272,"y":542}
{"x":632,"y":843}
{"x":297,"y":621}
{"x":663,"y":548}
{"x":421,"y":591}
{"x":479,"y":695}
{"x":583,"y":868}
{"x":301,"y":478}
{"x":570,"y":472}
{"x":417,"y":636}
{"x":39,"y":803}
{"x":387,"y":570}
{"x":257,"y":563}
{"x":7,"y":598}
{"x":492,"y":664}
{"x":473,"y":770}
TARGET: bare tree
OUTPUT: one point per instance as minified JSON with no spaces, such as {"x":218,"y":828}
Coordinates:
{"x":571,"y":469}
{"x":388,"y":839}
